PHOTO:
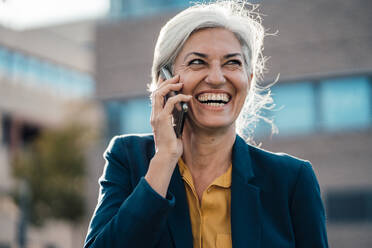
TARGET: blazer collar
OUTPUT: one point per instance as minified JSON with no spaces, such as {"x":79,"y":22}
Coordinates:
{"x":245,"y":199}
{"x":241,"y":160}
{"x":179,"y":217}
{"x":245,"y":204}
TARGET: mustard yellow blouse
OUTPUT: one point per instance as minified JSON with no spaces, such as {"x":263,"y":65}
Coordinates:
{"x":210,"y":219}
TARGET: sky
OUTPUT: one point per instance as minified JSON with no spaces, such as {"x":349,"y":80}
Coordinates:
{"x":25,"y":14}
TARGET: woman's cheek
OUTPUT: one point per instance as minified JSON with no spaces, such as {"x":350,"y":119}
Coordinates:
{"x":189,"y":80}
{"x":243,"y":81}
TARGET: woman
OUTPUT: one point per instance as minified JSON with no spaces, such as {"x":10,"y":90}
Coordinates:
{"x":208,"y":188}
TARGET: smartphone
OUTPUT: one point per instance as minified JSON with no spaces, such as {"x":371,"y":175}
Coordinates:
{"x":179,"y":110}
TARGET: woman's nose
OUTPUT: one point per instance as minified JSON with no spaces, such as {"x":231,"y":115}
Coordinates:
{"x":215,"y":75}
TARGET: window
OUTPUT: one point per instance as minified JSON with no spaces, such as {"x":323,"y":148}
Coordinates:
{"x":331,"y":105}
{"x":44,"y":75}
{"x":345,"y":103}
{"x":112,"y":111}
{"x":20,"y":65}
{"x":130,"y":116}
{"x":349,"y":206}
{"x":82,"y":84}
{"x":35,"y":71}
{"x":5,"y":59}
{"x":294,"y":112}
{"x":135,"y":116}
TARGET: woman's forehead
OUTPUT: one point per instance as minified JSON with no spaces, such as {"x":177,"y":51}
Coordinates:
{"x":212,"y":41}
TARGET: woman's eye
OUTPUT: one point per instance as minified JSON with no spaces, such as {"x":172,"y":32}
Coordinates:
{"x":196,"y":62}
{"x":234,"y":62}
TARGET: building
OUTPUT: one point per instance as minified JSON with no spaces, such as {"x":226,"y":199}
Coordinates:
{"x":324,"y":94}
{"x":46,"y":79}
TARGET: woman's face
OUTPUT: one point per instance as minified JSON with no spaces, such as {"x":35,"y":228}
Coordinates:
{"x":211,"y":67}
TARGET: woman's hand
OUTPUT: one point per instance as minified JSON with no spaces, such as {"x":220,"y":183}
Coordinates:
{"x":166,"y":141}
{"x":168,"y":148}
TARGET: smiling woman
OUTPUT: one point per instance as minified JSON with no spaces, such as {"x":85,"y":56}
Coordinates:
{"x":211,"y":69}
{"x":244,"y":22}
{"x":207,"y":187}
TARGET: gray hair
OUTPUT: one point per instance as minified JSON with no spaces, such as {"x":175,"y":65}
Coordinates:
{"x":239,"y":17}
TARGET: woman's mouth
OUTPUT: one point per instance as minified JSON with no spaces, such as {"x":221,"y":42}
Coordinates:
{"x":214,"y":99}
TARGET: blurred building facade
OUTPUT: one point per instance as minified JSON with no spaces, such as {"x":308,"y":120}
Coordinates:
{"x":45,"y":75}
{"x":323,"y":97}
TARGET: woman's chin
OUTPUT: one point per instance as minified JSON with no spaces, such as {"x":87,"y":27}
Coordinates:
{"x":213,"y":125}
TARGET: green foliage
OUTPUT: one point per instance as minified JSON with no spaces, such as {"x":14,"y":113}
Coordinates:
{"x":54,"y":168}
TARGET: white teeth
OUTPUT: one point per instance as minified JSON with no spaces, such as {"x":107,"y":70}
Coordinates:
{"x":215,"y":104}
{"x":213,"y":97}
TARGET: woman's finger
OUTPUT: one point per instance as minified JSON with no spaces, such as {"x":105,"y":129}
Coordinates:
{"x":158,"y":96}
{"x":162,"y":81}
{"x":170,"y":104}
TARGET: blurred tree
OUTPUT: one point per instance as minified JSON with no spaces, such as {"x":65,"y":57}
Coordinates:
{"x":53,"y":167}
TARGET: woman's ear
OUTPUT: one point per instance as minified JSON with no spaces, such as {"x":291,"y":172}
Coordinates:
{"x":250,"y":76}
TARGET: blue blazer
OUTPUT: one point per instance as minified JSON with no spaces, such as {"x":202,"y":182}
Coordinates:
{"x":275,"y":201}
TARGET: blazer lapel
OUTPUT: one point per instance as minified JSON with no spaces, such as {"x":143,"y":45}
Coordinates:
{"x":245,"y":200}
{"x":179,"y":218}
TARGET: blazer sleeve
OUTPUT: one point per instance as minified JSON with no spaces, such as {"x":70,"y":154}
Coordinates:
{"x":125,"y":216}
{"x":307,"y":211}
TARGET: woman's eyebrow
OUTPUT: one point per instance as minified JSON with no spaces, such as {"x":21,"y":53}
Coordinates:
{"x":197,"y":54}
{"x":232,"y":55}
{"x":206,"y":56}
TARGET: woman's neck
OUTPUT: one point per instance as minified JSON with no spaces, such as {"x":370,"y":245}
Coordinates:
{"x":208,"y":151}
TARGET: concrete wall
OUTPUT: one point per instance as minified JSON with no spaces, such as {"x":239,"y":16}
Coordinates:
{"x":318,"y":38}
